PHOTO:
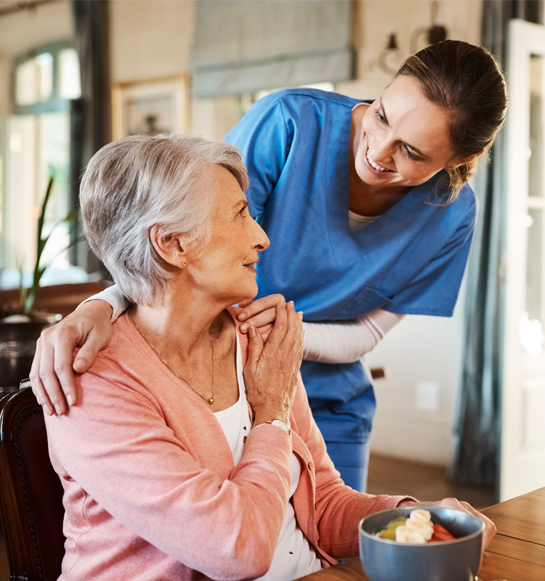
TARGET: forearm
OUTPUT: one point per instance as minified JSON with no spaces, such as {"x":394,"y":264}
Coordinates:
{"x":347,"y":341}
{"x":339,"y":508}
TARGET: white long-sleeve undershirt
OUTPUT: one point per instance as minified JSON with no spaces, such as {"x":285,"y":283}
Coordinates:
{"x":335,"y":342}
{"x":347,"y":341}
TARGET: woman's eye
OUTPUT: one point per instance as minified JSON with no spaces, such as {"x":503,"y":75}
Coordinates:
{"x":379,"y":116}
{"x":409,"y":153}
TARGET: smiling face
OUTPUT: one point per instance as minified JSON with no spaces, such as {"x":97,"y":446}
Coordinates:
{"x":225,"y":268}
{"x":404,"y":138}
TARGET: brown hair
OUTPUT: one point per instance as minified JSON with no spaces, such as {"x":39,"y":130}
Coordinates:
{"x":467,"y":81}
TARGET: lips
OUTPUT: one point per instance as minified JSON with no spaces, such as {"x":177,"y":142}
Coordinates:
{"x":374,"y":164}
{"x":251,"y":266}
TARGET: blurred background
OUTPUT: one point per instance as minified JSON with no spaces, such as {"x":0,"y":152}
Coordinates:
{"x":464,"y":396}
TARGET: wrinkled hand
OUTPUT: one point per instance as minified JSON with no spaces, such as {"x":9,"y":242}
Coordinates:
{"x":272,"y":368}
{"x":53,"y":367}
{"x":260,"y":314}
{"x":489,"y":526}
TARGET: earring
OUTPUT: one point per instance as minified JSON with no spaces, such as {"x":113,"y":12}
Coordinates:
{"x":183,"y":264}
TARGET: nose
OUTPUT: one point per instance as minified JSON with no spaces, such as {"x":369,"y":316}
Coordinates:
{"x":381,"y":150}
{"x":261,"y":240}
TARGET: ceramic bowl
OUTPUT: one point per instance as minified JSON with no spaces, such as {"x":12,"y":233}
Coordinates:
{"x":457,"y":560}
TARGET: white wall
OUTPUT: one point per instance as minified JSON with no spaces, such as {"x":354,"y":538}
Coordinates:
{"x":150,"y":38}
{"x":375,"y":20}
{"x":420,"y":351}
{"x":27,"y":29}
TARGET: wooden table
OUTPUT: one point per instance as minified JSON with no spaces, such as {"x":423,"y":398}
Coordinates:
{"x":517,"y":552}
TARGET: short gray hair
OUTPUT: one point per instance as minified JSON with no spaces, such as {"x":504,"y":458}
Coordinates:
{"x":139,"y":181}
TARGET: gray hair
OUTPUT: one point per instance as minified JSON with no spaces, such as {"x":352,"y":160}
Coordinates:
{"x":140,"y":181}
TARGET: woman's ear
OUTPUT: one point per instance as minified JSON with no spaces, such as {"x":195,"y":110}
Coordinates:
{"x":168,"y":247}
{"x":465,"y":160}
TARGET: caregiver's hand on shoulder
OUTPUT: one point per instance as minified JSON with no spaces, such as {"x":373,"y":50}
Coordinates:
{"x":53,"y":367}
{"x":260,"y":314}
{"x":489,"y":526}
{"x":272,"y":368}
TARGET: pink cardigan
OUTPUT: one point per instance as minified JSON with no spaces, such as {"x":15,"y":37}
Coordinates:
{"x":151,"y":492}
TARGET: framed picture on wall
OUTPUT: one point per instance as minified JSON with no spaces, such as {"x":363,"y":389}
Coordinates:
{"x":150,"y":107}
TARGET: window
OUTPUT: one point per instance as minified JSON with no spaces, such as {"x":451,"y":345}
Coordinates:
{"x":36,"y":145}
{"x":46,"y":79}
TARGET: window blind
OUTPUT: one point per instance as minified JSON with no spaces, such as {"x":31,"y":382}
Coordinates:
{"x":243,"y":46}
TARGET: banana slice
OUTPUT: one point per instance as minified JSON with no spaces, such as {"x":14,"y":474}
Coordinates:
{"x":406,"y":535}
{"x":420,"y":515}
{"x":423,"y":528}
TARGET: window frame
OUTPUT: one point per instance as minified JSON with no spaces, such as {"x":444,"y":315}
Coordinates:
{"x":55,"y":103}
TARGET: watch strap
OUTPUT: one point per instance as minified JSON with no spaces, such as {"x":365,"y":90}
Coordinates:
{"x":280,"y":424}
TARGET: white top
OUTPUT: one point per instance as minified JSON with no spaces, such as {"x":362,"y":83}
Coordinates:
{"x":293,"y":557}
{"x":357,"y":222}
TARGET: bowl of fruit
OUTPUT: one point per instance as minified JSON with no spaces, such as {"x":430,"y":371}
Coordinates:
{"x":421,"y":544}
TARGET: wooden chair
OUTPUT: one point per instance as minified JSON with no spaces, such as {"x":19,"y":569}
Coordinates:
{"x":30,"y":492}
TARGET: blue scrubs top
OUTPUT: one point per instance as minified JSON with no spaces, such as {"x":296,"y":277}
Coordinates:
{"x":295,"y":144}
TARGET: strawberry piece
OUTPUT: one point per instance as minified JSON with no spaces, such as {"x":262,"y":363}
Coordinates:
{"x":440,"y":533}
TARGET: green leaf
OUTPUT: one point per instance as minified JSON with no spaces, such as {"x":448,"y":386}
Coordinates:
{"x":22,"y":290}
{"x":28,"y":295}
{"x":41,"y":219}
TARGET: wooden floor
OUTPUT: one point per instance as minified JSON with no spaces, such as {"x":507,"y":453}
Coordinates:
{"x":386,"y":476}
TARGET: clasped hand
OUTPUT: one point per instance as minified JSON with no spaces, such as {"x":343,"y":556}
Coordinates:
{"x":272,"y":368}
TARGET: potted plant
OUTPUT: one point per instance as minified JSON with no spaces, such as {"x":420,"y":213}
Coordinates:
{"x":21,"y":324}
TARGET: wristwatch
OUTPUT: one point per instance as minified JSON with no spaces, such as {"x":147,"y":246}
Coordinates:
{"x":280,"y":424}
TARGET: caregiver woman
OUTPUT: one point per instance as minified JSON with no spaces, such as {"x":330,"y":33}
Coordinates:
{"x":370,"y":218}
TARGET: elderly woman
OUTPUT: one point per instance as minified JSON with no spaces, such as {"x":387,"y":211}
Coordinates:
{"x":193,"y":451}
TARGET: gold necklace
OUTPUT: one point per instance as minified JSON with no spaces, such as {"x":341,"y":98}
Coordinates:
{"x":209,"y":400}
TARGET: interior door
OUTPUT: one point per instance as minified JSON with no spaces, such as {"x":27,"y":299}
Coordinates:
{"x":523,"y":397}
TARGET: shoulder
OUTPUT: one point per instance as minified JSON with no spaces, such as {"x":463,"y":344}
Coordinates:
{"x":313,"y":95}
{"x":462,"y":210}
{"x":120,"y":348}
{"x":466,"y":197}
{"x":276,"y":118}
{"x":122,"y":344}
{"x":465,"y":206}
{"x":125,"y":365}
{"x":301,"y":98}
{"x":297,"y":102}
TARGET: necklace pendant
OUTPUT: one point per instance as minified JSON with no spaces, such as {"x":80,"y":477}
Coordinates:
{"x":211,"y":401}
